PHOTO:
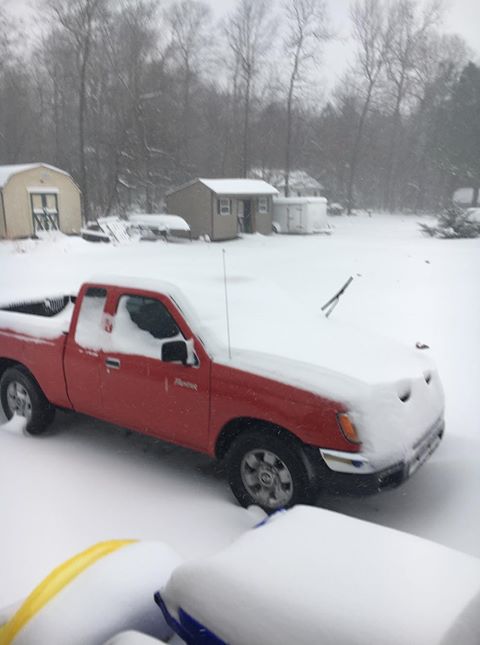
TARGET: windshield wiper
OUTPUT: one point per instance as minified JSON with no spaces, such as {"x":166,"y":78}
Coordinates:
{"x":333,"y":302}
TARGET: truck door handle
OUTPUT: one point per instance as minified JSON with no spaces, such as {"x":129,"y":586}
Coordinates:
{"x":112,"y":363}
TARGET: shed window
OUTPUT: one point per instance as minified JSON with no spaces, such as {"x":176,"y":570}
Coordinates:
{"x":263,"y":204}
{"x":224,"y":206}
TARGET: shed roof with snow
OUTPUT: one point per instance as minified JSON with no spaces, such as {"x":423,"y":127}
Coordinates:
{"x":239,"y":186}
{"x":7,"y":172}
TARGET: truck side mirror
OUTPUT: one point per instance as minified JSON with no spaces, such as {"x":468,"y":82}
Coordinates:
{"x":176,"y":351}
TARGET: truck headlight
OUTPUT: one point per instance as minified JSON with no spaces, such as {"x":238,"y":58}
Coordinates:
{"x":347,"y":428}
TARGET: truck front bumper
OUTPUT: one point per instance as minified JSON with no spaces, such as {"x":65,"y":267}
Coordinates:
{"x":353,"y":474}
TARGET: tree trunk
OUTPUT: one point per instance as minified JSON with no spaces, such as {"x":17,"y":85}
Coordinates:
{"x":388,"y":191}
{"x":246,"y":126}
{"x":81,"y":130}
{"x":289,"y":139}
{"x":356,"y":150}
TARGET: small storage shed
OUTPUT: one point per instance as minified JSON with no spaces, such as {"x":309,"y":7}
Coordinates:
{"x":37,"y":197}
{"x":300,"y":215}
{"x":223,"y":208}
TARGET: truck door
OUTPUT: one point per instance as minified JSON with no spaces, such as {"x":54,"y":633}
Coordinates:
{"x":82,"y":353}
{"x":139,"y":390}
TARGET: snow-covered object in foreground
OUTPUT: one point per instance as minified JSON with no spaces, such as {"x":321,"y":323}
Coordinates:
{"x":313,"y":576}
{"x":95,"y":595}
{"x":133,"y":638}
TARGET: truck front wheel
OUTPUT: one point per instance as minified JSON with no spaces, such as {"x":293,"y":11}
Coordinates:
{"x":20,"y":394}
{"x":268,"y":471}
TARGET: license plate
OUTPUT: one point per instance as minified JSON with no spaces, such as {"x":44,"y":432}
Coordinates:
{"x":423,"y":454}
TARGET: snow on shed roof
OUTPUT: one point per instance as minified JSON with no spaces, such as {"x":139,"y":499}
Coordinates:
{"x":8,"y":171}
{"x":239,"y":186}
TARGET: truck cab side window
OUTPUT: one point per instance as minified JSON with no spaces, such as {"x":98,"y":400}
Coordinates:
{"x":151,"y":316}
{"x":89,"y":332}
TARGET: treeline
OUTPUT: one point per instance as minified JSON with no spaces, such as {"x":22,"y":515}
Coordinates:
{"x":135,"y":97}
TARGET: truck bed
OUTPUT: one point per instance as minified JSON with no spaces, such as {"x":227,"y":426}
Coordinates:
{"x":34,"y":334}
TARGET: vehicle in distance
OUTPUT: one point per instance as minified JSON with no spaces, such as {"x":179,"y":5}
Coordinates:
{"x":291,"y":415}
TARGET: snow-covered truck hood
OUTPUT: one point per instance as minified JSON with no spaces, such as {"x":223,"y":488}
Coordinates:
{"x":392,"y":393}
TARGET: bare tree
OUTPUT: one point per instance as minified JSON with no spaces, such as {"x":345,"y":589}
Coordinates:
{"x":250,"y":31}
{"x":372,"y":33}
{"x":189,"y":22}
{"x":79,"y":19}
{"x":411,"y":24}
{"x":306,"y":22}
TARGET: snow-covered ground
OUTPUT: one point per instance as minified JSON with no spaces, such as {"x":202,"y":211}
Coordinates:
{"x":91,"y":481}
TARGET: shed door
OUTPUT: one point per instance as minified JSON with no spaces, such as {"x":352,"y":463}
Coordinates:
{"x":44,"y":212}
{"x":294,"y":219}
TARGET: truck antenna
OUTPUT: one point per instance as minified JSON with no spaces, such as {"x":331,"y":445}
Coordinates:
{"x":226,"y":303}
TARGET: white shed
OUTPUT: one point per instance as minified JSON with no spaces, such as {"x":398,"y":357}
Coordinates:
{"x":301,"y":215}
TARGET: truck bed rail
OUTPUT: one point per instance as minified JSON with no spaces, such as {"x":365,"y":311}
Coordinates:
{"x":48,"y":307}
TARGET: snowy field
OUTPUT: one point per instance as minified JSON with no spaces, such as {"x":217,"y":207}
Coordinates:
{"x":91,"y":481}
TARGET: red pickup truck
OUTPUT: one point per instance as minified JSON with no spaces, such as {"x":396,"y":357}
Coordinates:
{"x":134,"y":353}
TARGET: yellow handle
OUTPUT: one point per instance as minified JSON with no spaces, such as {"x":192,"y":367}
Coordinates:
{"x":55,"y":582}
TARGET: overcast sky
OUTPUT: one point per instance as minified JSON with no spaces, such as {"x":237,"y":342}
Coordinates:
{"x":461,"y":16}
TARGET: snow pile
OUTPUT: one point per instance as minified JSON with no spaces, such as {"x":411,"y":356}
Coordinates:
{"x":161,"y":221}
{"x":15,"y":426}
{"x":92,"y":597}
{"x":313,"y":576}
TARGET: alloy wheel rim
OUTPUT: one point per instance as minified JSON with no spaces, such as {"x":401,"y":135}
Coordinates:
{"x":266,"y":478}
{"x":18,"y":400}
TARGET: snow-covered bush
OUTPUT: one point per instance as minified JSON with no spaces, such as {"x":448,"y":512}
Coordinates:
{"x":453,"y":223}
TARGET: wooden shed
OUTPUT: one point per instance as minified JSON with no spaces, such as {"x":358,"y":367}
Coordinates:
{"x":223,"y":208}
{"x":37,"y":197}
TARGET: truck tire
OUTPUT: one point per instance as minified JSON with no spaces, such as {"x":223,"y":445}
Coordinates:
{"x":20,"y":394}
{"x":269,"y":471}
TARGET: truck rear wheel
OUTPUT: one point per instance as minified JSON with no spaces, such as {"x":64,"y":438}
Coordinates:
{"x":269,"y":471}
{"x":20,"y":394}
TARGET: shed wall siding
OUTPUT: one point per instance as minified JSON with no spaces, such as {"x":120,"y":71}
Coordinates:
{"x":263,"y":221}
{"x":17,"y":201}
{"x":194,"y":204}
{"x":225,"y":227}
